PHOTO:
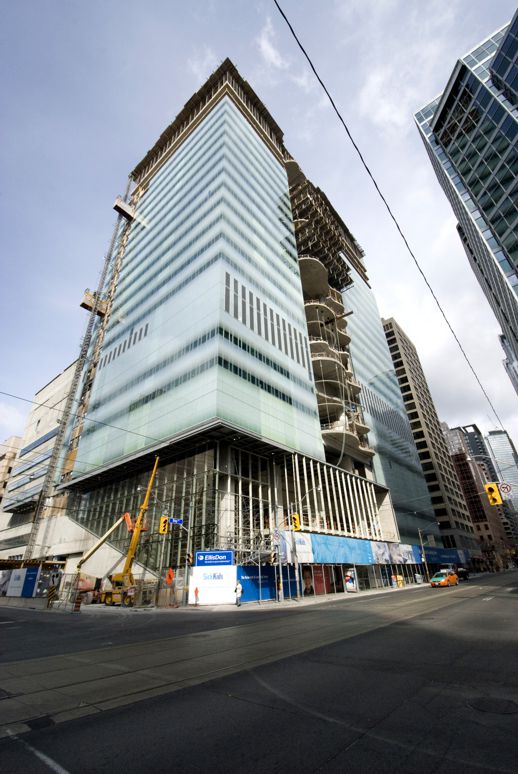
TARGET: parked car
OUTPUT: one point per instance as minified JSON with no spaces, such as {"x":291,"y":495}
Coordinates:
{"x":463,"y":574}
{"x":444,"y":578}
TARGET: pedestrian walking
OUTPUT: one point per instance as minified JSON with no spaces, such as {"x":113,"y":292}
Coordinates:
{"x":196,"y":596}
{"x":238,"y":591}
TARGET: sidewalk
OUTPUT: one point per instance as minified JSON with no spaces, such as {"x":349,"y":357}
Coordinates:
{"x":270,"y":604}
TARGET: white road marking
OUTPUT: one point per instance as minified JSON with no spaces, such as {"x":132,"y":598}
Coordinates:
{"x":52,"y":765}
{"x":486,"y":599}
{"x":511,"y":589}
{"x":8,"y":622}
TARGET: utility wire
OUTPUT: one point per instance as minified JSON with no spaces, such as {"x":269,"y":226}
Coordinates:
{"x":389,"y":210}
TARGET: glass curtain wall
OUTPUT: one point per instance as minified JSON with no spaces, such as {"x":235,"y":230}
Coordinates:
{"x":208,"y":318}
{"x":396,"y":463}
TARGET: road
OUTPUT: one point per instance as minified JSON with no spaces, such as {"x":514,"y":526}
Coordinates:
{"x":424,"y":680}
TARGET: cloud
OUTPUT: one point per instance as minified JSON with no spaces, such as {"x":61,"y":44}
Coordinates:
{"x":202,"y":63}
{"x":266,"y":43}
{"x":399,"y":72}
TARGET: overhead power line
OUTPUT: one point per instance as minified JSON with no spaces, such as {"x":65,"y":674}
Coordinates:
{"x":388,"y":208}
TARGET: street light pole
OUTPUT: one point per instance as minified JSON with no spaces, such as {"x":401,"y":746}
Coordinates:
{"x":423,"y":554}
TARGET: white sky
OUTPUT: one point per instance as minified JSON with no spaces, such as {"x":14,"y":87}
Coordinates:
{"x":89,"y":87}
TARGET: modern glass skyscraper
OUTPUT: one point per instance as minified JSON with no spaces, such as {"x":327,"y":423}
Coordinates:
{"x":396,"y":463}
{"x":201,"y":354}
{"x":471,"y":135}
{"x":207,"y":321}
{"x":505,"y":460}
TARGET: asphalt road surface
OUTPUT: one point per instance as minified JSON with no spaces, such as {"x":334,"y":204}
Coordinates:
{"x":420,"y":681}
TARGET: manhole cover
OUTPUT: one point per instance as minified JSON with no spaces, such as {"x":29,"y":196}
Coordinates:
{"x":496,"y":706}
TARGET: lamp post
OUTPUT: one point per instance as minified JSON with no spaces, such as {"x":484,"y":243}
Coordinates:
{"x":423,"y":554}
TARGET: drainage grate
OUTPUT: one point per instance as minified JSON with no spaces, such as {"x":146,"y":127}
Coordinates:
{"x":496,"y":706}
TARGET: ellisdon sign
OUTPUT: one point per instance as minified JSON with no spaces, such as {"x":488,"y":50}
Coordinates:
{"x":212,"y":558}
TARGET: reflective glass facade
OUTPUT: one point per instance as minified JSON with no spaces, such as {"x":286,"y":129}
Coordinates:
{"x":396,"y":464}
{"x":471,"y":135}
{"x":207,"y":322}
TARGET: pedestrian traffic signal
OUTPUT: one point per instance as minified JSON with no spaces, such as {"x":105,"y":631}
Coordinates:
{"x":493,"y":493}
{"x":189,"y":558}
{"x":164,"y":525}
{"x":295,"y":522}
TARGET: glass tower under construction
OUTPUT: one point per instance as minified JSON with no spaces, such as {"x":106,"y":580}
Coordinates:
{"x":202,"y":354}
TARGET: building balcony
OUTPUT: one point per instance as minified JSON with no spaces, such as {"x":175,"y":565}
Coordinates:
{"x":335,"y":301}
{"x":313,"y":274}
{"x":329,"y":408}
{"x":354,"y":385}
{"x":359,"y":424}
{"x":339,"y":437}
{"x":343,"y":337}
{"x":319,"y":310}
{"x":331,"y":386}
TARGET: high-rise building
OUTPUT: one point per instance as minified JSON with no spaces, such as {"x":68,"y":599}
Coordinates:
{"x":30,"y":468}
{"x":505,"y":461}
{"x":486,"y":519}
{"x":448,"y":501}
{"x":209,"y":351}
{"x":396,"y":463}
{"x":471,"y":134}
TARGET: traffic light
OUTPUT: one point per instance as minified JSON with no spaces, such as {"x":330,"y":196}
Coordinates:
{"x":493,"y":493}
{"x":189,"y":558}
{"x":295,"y":522}
{"x":164,"y":525}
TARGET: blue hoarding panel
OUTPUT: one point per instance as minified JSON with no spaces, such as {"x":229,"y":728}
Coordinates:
{"x":328,"y":549}
{"x":255,"y":588}
{"x":31,"y":576}
{"x":444,"y":555}
{"x":418,"y":557}
{"x":214,"y":558}
{"x":289,"y":581}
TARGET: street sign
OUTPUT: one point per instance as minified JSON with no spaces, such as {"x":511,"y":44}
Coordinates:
{"x":172,"y":520}
{"x":214,"y":558}
{"x":505,"y":488}
{"x":276,"y":537}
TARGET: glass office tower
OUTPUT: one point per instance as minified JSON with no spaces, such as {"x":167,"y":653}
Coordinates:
{"x":471,"y":135}
{"x":505,"y":461}
{"x":201,"y":355}
{"x":207,"y":321}
{"x":396,"y":463}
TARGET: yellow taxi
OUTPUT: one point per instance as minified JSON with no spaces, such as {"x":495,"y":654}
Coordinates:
{"x":444,"y":578}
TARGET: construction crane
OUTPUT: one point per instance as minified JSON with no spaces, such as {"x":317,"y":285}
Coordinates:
{"x":123,"y":583}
